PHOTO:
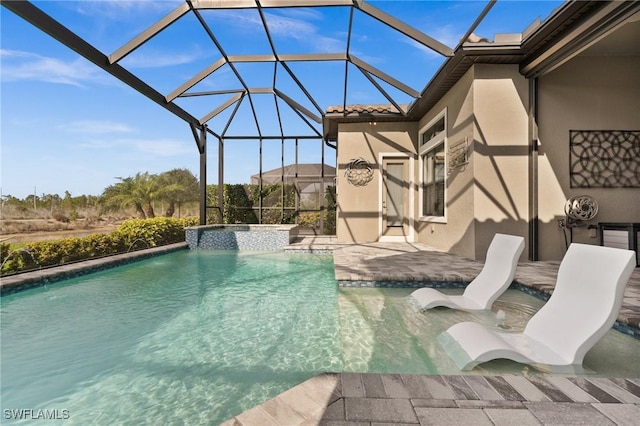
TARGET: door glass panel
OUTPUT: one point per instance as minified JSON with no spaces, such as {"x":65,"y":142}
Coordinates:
{"x":395,"y":194}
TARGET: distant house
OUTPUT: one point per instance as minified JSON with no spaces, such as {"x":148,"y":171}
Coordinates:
{"x":307,"y":173}
{"x":309,"y":179}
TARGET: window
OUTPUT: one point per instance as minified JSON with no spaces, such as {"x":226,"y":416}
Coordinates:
{"x":432,"y":160}
{"x":433,"y":131}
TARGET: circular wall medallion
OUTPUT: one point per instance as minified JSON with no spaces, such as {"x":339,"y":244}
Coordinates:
{"x":358,"y":172}
{"x":581,"y":207}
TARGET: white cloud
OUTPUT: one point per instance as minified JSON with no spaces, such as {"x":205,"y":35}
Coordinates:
{"x":447,"y":34}
{"x":26,"y":66}
{"x":446,"y":37}
{"x":294,"y":26}
{"x":96,"y":127}
{"x":303,"y":13}
{"x":161,"y":147}
{"x":149,"y":147}
{"x":303,"y":31}
{"x":160,"y":59}
{"x":120,"y":9}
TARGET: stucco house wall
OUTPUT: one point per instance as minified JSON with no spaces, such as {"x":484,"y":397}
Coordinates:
{"x":501,"y":161}
{"x":457,"y":234}
{"x":488,"y":107}
{"x":586,"y":93}
{"x":358,"y":206}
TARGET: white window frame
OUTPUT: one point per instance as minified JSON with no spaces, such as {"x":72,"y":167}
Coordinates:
{"x":436,"y":141}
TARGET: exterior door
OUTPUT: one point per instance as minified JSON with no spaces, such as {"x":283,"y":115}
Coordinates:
{"x":395,"y":197}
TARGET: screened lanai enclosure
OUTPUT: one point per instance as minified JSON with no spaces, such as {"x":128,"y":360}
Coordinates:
{"x":255,"y":80}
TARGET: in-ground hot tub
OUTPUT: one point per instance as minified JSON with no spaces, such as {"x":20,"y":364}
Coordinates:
{"x":240,"y":237}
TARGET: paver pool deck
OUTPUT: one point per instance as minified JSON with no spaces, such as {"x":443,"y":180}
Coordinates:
{"x":388,"y":399}
{"x":346,"y":399}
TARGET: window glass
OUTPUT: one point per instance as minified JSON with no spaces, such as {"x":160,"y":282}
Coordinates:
{"x":433,"y":182}
{"x":433,"y":131}
{"x":433,"y":173}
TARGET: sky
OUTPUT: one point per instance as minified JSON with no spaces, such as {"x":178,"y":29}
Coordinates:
{"x":67,"y":125}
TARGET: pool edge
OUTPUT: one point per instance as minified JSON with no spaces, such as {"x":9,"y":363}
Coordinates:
{"x":24,"y":281}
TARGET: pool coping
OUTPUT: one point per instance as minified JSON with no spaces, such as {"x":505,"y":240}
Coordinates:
{"x":10,"y":284}
{"x":399,"y":399}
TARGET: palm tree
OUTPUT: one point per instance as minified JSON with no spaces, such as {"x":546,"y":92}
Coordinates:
{"x":178,"y":186}
{"x":139,"y":192}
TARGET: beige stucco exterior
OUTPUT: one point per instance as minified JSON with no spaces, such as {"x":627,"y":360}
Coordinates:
{"x":586,"y":93}
{"x":456,"y":234}
{"x":514,"y":114}
{"x":501,"y":99}
{"x":487,"y":109}
{"x":359,"y":206}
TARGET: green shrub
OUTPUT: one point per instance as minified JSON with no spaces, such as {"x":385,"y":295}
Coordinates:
{"x":309,"y":219}
{"x":134,"y":234}
{"x":154,"y":232}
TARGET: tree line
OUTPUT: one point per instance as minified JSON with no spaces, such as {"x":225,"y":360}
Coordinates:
{"x":141,"y":193}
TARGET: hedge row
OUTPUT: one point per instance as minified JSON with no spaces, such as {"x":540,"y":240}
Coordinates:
{"x":241,"y":203}
{"x":133,"y":234}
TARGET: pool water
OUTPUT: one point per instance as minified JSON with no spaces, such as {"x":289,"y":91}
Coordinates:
{"x":200,"y":336}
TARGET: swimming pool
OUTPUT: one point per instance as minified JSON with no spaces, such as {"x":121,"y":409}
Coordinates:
{"x":200,"y":336}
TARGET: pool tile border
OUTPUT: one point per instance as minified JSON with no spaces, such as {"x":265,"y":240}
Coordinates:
{"x":19,"y":282}
{"x":401,"y":284}
{"x":240,"y":237}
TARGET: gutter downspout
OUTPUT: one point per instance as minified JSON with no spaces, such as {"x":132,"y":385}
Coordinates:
{"x":533,"y":169}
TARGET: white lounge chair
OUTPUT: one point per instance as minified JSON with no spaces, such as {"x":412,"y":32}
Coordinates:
{"x":583,"y":307}
{"x":496,"y":276}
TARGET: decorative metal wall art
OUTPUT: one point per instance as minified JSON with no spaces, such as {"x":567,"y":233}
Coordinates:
{"x":458,"y":155}
{"x":604,"y":158}
{"x":359,"y":172}
{"x":582,"y":207}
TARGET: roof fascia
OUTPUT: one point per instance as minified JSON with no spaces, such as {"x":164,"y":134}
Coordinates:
{"x":418,"y":108}
{"x":579,"y":36}
{"x":576,"y":34}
